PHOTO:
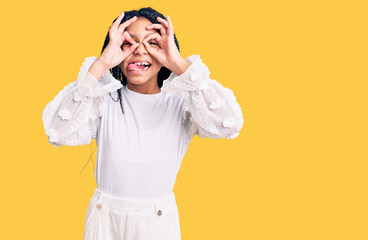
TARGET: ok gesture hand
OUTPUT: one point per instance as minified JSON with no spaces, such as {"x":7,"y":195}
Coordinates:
{"x":167,"y":53}
{"x":113,"y":54}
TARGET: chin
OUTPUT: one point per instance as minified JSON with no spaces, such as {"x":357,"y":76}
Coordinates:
{"x":137,"y":80}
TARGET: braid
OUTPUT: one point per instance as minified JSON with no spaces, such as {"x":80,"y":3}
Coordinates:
{"x":120,"y":97}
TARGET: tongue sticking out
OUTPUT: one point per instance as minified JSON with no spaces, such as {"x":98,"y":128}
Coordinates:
{"x":133,"y":67}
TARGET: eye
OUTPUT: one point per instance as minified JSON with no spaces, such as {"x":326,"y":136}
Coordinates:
{"x":125,"y":43}
{"x":154,"y":43}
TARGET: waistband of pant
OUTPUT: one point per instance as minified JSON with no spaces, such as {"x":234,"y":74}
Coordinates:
{"x":134,"y":205}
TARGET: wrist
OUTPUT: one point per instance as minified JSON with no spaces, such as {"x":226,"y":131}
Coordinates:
{"x":102,"y":65}
{"x":98,"y":69}
{"x":179,"y":66}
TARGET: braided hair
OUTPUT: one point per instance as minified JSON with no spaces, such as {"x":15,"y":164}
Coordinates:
{"x":116,"y":72}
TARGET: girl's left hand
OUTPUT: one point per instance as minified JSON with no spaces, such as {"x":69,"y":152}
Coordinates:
{"x":167,"y":53}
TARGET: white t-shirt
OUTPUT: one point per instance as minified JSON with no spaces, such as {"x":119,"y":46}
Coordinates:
{"x":140,"y":151}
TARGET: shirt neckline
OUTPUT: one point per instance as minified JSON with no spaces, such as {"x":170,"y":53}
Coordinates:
{"x":141,"y":96}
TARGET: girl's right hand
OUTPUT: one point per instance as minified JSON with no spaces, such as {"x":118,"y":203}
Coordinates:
{"x":113,"y":55}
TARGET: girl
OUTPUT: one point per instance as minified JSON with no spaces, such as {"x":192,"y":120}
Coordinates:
{"x":143,"y":115}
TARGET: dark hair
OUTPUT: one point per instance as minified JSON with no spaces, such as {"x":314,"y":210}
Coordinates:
{"x":164,"y":72}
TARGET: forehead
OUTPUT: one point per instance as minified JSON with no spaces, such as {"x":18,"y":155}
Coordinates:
{"x":138,"y":27}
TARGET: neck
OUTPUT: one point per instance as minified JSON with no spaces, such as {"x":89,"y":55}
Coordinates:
{"x":144,"y":88}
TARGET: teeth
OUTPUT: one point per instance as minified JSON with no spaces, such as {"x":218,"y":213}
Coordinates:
{"x":145,"y":68}
{"x":142,"y":63}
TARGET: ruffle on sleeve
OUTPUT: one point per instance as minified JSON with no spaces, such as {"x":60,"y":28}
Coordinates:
{"x":209,"y":110}
{"x":88,"y":84}
{"x":72,"y":117}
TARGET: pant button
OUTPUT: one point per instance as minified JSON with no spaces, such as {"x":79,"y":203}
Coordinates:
{"x":99,"y":205}
{"x":159,"y":212}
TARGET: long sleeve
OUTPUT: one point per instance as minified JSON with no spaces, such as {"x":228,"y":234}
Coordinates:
{"x":210,"y":109}
{"x":71,"y":118}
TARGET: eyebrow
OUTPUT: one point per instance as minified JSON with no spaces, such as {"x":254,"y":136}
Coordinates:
{"x":132,"y":35}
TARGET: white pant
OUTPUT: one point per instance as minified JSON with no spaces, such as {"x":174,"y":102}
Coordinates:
{"x":115,"y":218}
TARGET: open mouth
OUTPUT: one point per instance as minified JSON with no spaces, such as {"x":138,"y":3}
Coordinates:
{"x":138,"y":67}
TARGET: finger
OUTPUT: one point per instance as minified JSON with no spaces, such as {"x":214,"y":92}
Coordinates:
{"x":127,"y":53}
{"x":126,"y":24}
{"x":171,"y":26}
{"x":118,"y":20}
{"x":150,"y":49}
{"x":163,"y":21}
{"x":126,"y":36}
{"x":129,"y":43}
{"x":158,"y":26}
{"x":133,"y":44}
{"x":155,"y":36}
{"x":131,"y":49}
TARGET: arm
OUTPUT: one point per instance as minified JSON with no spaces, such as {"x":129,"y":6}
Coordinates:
{"x":210,"y":109}
{"x":71,"y":118}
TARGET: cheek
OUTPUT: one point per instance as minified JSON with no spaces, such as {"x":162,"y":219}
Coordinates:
{"x":122,"y":69}
{"x":157,"y":65}
{"x":157,"y":68}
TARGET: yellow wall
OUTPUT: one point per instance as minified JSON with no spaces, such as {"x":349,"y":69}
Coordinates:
{"x":298,"y":169}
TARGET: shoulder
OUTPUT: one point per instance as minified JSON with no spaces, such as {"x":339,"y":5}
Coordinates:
{"x":110,"y":96}
{"x":109,"y":99}
{"x":174,"y":97}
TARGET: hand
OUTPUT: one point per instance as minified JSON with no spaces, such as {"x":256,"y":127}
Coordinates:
{"x":167,"y":53}
{"x":113,"y":54}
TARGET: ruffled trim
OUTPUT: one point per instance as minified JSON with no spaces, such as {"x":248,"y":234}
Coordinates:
{"x":65,"y":114}
{"x":229,"y":122}
{"x":208,"y":128}
{"x":229,"y":96}
{"x":51,"y":108}
{"x":217,"y":103}
{"x":233,"y":136}
{"x":83,"y":127}
{"x":80,"y":135}
{"x":193,"y":79}
{"x":95,"y":88}
{"x":191,"y":126}
{"x":52,"y":134}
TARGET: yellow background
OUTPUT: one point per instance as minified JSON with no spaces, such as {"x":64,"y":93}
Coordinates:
{"x":298,"y":169}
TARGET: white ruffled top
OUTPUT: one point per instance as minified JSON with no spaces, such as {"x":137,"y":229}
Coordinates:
{"x":140,"y":151}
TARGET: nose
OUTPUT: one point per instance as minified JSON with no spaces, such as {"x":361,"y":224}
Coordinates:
{"x":140,"y":50}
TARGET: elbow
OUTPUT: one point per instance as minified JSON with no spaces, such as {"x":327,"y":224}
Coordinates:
{"x":229,"y":128}
{"x":53,"y":137}
{"x":232,"y":127}
{"x":54,"y":143}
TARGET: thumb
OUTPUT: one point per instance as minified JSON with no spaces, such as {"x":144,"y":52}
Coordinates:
{"x":150,"y":50}
{"x":131,"y":49}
